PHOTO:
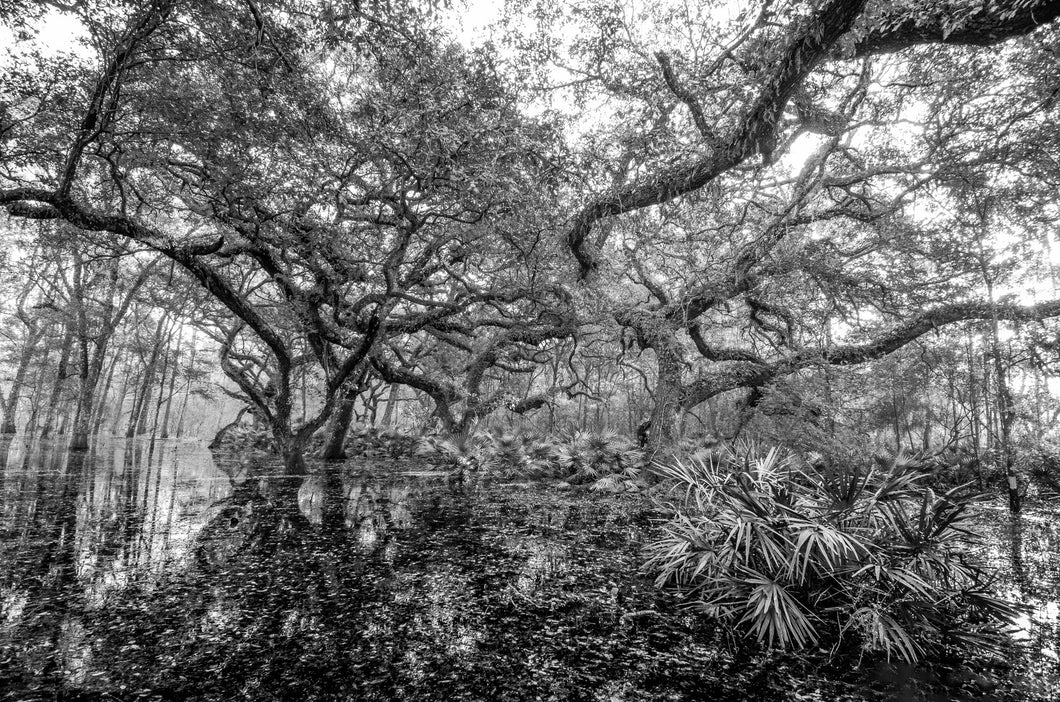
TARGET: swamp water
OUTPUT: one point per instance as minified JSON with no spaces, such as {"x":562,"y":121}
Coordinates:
{"x":147,"y":571}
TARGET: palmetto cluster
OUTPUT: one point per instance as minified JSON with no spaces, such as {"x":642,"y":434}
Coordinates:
{"x":801,"y":554}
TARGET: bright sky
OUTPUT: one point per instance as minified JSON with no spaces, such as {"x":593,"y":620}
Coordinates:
{"x":58,"y":33}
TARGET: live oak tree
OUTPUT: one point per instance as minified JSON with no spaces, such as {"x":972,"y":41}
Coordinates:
{"x":320,"y":187}
{"x":746,"y":203}
{"x":704,"y":206}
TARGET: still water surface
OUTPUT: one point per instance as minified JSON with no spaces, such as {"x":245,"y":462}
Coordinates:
{"x":152,"y":571}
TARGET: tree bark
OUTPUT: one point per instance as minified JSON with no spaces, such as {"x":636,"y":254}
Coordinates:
{"x":339,"y":426}
{"x":667,"y":398}
{"x":62,"y":373}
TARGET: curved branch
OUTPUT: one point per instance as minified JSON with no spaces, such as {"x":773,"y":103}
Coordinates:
{"x":991,"y":23}
{"x":84,"y":218}
{"x":745,"y":373}
{"x":755,"y":133}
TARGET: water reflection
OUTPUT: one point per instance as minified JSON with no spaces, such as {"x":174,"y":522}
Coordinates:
{"x":152,"y":571}
{"x":1025,"y":552}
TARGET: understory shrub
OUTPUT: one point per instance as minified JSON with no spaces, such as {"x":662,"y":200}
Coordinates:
{"x":605,"y":462}
{"x":800,"y":554}
{"x":243,"y":438}
{"x":361,"y":441}
{"x":374,"y":442}
{"x":1043,"y":468}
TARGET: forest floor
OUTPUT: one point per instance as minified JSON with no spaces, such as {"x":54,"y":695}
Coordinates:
{"x":427,"y":591}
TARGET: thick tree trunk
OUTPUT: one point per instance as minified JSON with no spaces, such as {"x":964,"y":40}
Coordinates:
{"x":292,"y":448}
{"x":86,"y":403}
{"x":83,"y":416}
{"x":662,"y":427}
{"x":294,"y":461}
{"x":82,"y":429}
{"x":339,"y":426}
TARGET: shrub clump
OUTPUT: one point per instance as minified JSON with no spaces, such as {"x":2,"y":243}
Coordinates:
{"x":605,"y":462}
{"x":376,"y":442}
{"x":802,"y":554}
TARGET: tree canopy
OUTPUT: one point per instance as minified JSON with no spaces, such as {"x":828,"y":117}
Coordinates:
{"x":736,"y":193}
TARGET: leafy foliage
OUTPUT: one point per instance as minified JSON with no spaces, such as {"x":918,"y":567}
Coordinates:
{"x":373,"y":442}
{"x":802,"y":554}
{"x":606,"y":462}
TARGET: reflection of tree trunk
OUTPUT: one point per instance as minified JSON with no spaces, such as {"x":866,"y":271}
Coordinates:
{"x":333,"y":512}
{"x":5,"y":448}
{"x":46,"y":575}
{"x":1015,"y":533}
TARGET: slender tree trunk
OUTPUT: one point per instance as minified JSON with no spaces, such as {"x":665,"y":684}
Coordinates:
{"x":129,"y":380}
{"x":391,"y":401}
{"x":1006,"y":417}
{"x":138,"y":418}
{"x":1006,"y":406}
{"x":104,"y":395}
{"x":172,"y":388}
{"x":897,"y":425}
{"x":169,"y":360}
{"x":63,"y":372}
{"x":10,"y":407}
{"x":187,"y":389}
